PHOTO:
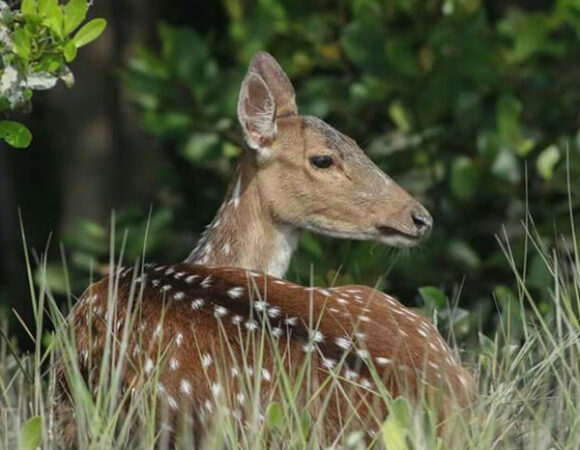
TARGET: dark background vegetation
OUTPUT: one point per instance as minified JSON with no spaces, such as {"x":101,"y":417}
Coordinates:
{"x":471,"y":105}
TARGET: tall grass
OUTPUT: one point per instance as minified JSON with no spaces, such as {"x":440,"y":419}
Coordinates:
{"x":530,"y":389}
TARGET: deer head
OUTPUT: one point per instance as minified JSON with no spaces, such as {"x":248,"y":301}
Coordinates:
{"x":301,"y":173}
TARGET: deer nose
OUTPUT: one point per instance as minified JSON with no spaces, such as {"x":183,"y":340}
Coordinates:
{"x":422,"y":220}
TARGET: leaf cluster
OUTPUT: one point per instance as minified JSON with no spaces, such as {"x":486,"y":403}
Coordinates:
{"x":37,"y":44}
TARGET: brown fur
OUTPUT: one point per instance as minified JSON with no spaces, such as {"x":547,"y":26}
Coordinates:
{"x":418,"y":359}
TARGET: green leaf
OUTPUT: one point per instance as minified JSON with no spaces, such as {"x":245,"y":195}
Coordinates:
{"x":31,"y":434}
{"x":69,"y":51}
{"x":52,"y":15}
{"x":274,"y":416}
{"x":433,"y":296}
{"x":15,"y":134}
{"x":547,"y":161}
{"x":21,"y":40}
{"x":399,"y":116}
{"x":29,"y":8}
{"x":89,"y":32}
{"x":395,"y":429}
{"x":199,"y":145}
{"x":75,"y":12}
{"x":464,"y":178}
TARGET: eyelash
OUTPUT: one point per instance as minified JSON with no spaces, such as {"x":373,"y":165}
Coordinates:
{"x":321,"y":161}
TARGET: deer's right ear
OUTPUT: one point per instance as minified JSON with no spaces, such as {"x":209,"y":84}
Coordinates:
{"x":257,"y":112}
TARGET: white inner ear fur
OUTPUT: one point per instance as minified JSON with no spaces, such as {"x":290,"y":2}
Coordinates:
{"x":256,"y":113}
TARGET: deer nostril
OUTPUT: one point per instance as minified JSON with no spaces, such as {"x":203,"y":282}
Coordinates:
{"x":423,"y":221}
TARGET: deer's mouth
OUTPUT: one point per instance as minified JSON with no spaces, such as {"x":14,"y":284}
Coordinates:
{"x":399,"y":238}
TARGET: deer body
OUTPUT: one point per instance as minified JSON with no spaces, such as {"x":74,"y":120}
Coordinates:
{"x":297,"y":173}
{"x":199,"y":320}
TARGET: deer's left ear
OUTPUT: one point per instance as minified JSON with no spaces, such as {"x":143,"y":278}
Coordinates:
{"x":257,"y":112}
{"x":277,"y":81}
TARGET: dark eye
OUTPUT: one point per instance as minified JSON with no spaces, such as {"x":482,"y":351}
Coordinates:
{"x":321,"y":161}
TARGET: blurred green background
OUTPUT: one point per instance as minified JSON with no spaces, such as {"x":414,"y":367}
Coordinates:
{"x":473,"y":106}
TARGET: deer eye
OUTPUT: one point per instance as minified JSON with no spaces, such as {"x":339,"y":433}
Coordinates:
{"x":321,"y":161}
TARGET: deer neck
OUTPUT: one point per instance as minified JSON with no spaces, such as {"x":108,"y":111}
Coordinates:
{"x":244,"y":233}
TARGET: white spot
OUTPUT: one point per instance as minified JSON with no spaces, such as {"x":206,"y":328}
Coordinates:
{"x":251,"y":325}
{"x":274,"y":312}
{"x":148,"y":365}
{"x":343,"y":342}
{"x":190,"y":279}
{"x":324,"y":292}
{"x":433,"y":347}
{"x":178,"y":275}
{"x":179,"y":339}
{"x":197,"y":303}
{"x":174,"y":364}
{"x":364,"y":319}
{"x":206,"y":282}
{"x":333,"y":310}
{"x":316,"y":336}
{"x":178,"y":296}
{"x":206,"y":360}
{"x":185,"y":387}
{"x":207,"y":406}
{"x":366,"y":383}
{"x":260,"y":305}
{"x":216,"y":388}
{"x":308,"y":348}
{"x":166,"y":288}
{"x":360,"y":335}
{"x":328,"y":363}
{"x":382,"y":361}
{"x":237,"y":319}
{"x":350,"y":374}
{"x":282,"y":282}
{"x":235,"y":372}
{"x":160,"y":268}
{"x":342,"y":301}
{"x":220,"y":311}
{"x":226,"y":249}
{"x":236,"y":292}
{"x":169,"y":271}
{"x":463,"y":380}
{"x":157,"y":331}
{"x":240,"y":397}
{"x":291,"y":321}
{"x":171,"y":402}
{"x":154,"y":283}
{"x":277,"y":332}
{"x":362,"y":353}
{"x":434,"y":365}
{"x":237,"y":192}
{"x":266,"y":375}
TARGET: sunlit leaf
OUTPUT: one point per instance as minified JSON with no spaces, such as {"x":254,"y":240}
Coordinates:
{"x":31,"y":434}
{"x":15,"y":134}
{"x":75,"y":12}
{"x":89,"y":32}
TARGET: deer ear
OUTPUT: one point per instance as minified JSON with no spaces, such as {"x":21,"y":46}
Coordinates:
{"x":257,"y":112}
{"x":277,"y":81}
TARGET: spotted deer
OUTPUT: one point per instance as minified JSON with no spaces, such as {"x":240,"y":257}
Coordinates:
{"x":190,"y":322}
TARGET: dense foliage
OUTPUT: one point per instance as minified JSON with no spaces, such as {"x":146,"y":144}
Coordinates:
{"x":37,"y":42}
{"x":476,"y":114}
